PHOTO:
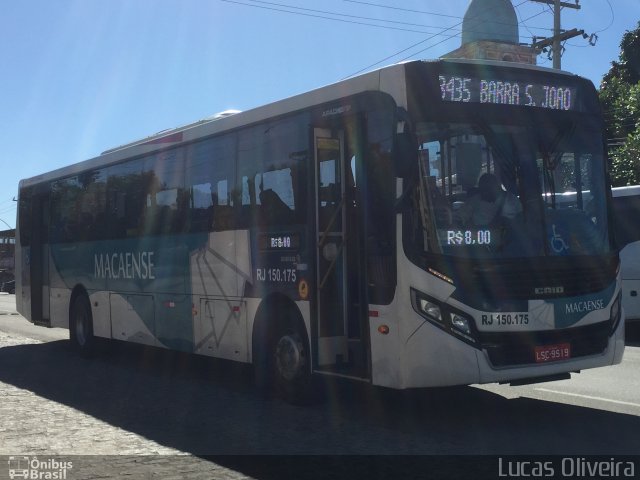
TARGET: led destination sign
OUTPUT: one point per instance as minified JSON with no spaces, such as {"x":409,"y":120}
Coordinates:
{"x":501,"y":91}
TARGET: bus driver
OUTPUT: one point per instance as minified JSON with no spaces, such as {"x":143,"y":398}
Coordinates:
{"x":489,"y":203}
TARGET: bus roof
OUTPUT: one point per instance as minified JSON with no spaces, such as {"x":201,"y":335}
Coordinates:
{"x":497,"y":63}
{"x":209,"y":126}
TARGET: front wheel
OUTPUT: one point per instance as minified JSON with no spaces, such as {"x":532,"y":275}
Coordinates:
{"x":81,"y":326}
{"x":292,"y":370}
{"x":285,"y":366}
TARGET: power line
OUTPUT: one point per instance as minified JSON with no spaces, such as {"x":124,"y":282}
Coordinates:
{"x":613,"y":17}
{"x":344,"y":14}
{"x":431,"y":46}
{"x":5,"y":208}
{"x":458,"y":17}
{"x":7,"y":211}
{"x":322,"y":15}
{"x":316,"y":15}
{"x":415,"y":45}
{"x":403,"y":9}
{"x":557,"y":41}
{"x":523,"y":24}
{"x":10,"y":227}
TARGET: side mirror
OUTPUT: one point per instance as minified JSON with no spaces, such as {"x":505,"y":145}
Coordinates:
{"x":406,"y":154}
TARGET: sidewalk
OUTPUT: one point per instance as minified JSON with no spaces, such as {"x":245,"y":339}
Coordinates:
{"x":7,"y":304}
{"x":12,"y":322}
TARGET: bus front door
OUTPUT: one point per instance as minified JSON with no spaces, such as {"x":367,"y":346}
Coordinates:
{"x":331,"y":284}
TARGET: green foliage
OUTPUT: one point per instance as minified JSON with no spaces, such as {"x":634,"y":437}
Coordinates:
{"x":625,"y":161}
{"x":620,"y":97}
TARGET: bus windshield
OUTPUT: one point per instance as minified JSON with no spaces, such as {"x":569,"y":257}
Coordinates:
{"x":495,"y":190}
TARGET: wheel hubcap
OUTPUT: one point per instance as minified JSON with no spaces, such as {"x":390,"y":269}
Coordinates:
{"x":80,"y":333}
{"x":289,"y":356}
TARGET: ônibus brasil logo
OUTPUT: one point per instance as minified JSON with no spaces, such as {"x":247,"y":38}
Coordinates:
{"x":33,"y":468}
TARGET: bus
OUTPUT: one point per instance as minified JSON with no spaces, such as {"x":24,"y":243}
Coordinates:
{"x":626,"y":207}
{"x":333,"y":233}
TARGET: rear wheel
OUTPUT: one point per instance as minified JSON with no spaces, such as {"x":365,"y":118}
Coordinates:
{"x":81,"y":326}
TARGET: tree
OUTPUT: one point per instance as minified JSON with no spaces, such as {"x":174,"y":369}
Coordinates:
{"x":620,"y":97}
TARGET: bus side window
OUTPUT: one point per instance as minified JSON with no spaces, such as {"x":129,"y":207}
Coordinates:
{"x":627,"y":212}
{"x":223,"y":217}
{"x":248,"y":201}
{"x":209,"y":173}
{"x":270,"y":161}
{"x":65,"y":212}
{"x":276,"y":196}
{"x":24,"y":215}
{"x":165,"y":198}
{"x":91,"y":205}
{"x":126,"y":198}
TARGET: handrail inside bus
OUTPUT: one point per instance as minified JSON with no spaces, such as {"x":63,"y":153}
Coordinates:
{"x":324,"y":235}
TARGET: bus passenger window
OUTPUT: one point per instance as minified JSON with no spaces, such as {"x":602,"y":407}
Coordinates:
{"x":275,"y":196}
{"x":210,"y":169}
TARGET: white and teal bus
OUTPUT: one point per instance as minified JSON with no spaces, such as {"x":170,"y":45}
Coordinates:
{"x":347,"y":232}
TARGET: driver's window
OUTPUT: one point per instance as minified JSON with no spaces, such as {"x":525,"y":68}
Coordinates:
{"x":452,"y":168}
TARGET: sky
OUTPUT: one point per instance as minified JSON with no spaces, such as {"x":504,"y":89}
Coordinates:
{"x":78,"y":77}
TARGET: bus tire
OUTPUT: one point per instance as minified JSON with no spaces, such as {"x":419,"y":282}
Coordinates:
{"x":81,"y":326}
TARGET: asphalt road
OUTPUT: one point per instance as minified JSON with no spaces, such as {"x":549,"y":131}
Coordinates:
{"x":140,"y":401}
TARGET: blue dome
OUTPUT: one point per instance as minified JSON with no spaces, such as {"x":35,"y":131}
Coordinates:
{"x":493,"y":20}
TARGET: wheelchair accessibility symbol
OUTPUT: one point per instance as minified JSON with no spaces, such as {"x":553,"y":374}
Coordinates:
{"x":558,"y":245}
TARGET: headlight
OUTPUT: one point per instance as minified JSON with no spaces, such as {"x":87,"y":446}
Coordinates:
{"x":454,"y":322}
{"x":460,"y":323}
{"x":430,"y":309}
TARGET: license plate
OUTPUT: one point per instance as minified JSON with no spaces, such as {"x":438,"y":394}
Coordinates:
{"x":553,"y":353}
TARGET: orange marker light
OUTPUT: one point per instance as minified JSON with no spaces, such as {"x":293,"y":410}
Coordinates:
{"x":383,"y":329}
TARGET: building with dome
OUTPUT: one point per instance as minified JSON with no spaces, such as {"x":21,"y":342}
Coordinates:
{"x":490,"y":32}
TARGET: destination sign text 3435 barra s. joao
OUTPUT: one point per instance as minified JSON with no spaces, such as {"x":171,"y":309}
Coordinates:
{"x":506,"y":92}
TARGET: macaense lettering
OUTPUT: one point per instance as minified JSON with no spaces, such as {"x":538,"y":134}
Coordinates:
{"x":124,"y":265}
{"x":585,"y":306}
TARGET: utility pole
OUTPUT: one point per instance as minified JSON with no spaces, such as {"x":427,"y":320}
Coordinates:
{"x":558,"y":35}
